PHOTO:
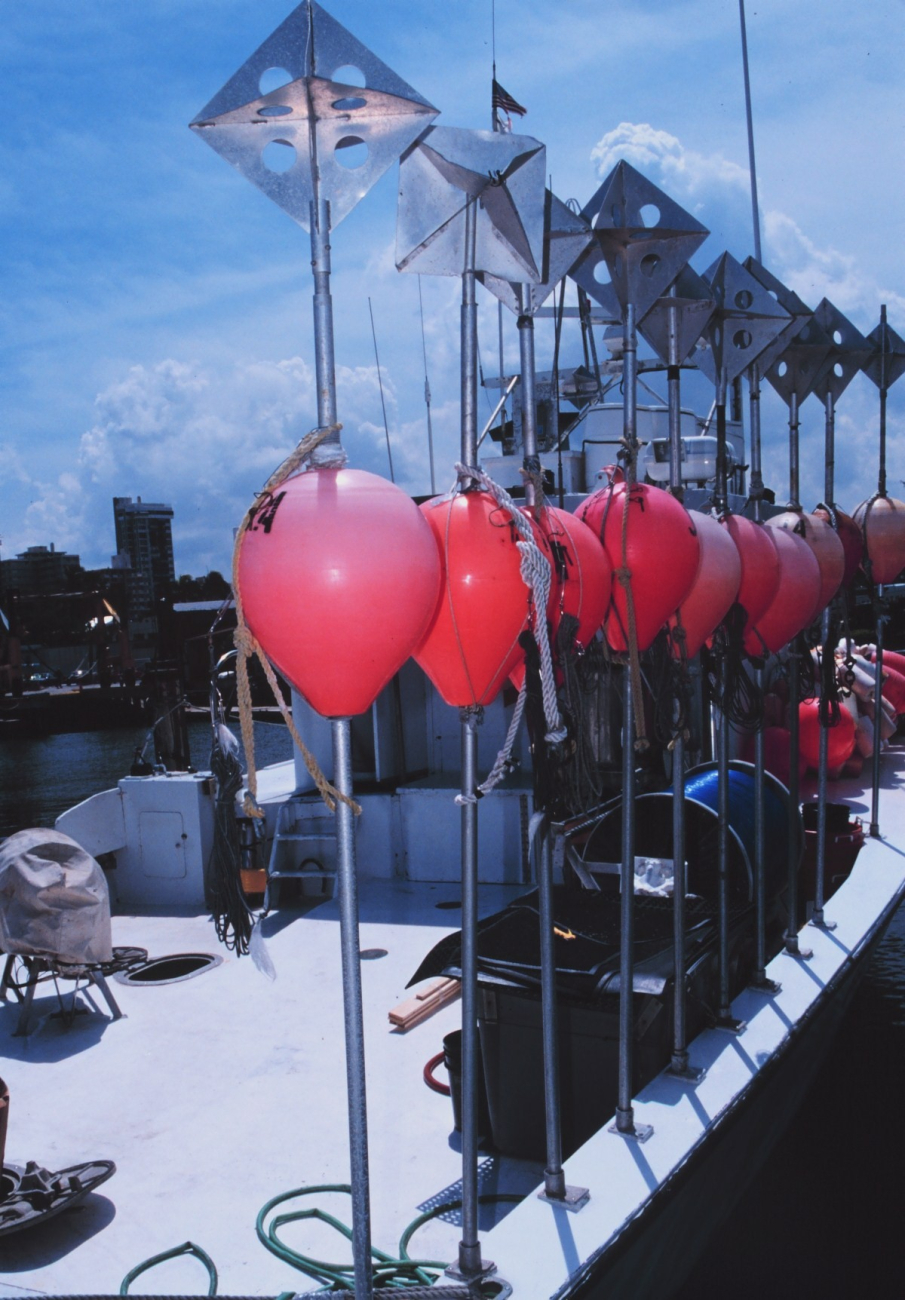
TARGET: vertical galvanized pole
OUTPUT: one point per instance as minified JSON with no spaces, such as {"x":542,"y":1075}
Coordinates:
{"x":794,"y":502}
{"x":469,"y":1263}
{"x":324,"y":363}
{"x":352,"y":1012}
{"x":554,"y":1178}
{"x":794,"y":842}
{"x":530,"y":459}
{"x":755,"y":214}
{"x":881,"y":491}
{"x":829,"y":488}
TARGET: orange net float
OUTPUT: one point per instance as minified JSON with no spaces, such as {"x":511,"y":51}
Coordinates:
{"x":849,"y":535}
{"x":760,"y":565}
{"x":582,"y":577}
{"x":661,"y":554}
{"x":828,"y":551}
{"x":840,"y":737}
{"x":339,"y":577}
{"x":714,"y":589}
{"x":791,"y":609}
{"x":471,"y":645}
{"x":882,"y":524}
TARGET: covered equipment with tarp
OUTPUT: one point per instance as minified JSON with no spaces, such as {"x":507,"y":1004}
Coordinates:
{"x":54,"y":901}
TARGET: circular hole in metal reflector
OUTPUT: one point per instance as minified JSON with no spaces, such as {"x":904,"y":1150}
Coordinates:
{"x":272,"y":79}
{"x":279,"y":156}
{"x":351,"y":152}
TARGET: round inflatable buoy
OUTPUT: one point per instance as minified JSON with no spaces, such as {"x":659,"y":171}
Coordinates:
{"x":339,"y":577}
{"x":882,"y":524}
{"x":849,"y":535}
{"x":792,"y":607}
{"x":714,"y":589}
{"x":759,"y":565}
{"x":840,"y":738}
{"x":471,"y":644}
{"x":828,"y":552}
{"x":661,"y":556}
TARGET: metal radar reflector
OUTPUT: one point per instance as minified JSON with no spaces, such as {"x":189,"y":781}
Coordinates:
{"x":338,"y":121}
{"x":566,"y":236}
{"x":643,"y":237}
{"x":746,"y":321}
{"x":674,"y":324}
{"x":799,"y":312}
{"x":448,"y":168}
{"x":848,"y":352}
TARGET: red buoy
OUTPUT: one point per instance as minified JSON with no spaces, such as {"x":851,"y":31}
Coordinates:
{"x":777,"y":742}
{"x":339,"y":576}
{"x":840,"y":738}
{"x":792,"y":607}
{"x":760,"y":565}
{"x":471,"y":644}
{"x":893,"y":679}
{"x":882,"y":524}
{"x":849,"y":535}
{"x":827,"y":548}
{"x":661,"y":556}
{"x":581,"y":577}
{"x":714,"y":589}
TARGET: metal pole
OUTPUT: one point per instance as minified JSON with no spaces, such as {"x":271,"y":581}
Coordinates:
{"x":878,"y":717}
{"x":470,"y":1263}
{"x":755,"y":215}
{"x":554,"y":1178}
{"x":352,"y":1012}
{"x":829,"y":489}
{"x":794,"y":843}
{"x":427,"y":393}
{"x":324,"y":361}
{"x":794,"y":502}
{"x":530,"y":459}
{"x":724,"y":1018}
{"x":673,"y":381}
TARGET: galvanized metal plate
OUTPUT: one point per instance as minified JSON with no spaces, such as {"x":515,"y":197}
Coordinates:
{"x":504,"y":173}
{"x":894,"y":348}
{"x":566,"y":236}
{"x":789,"y":300}
{"x":746,"y":320}
{"x":642,"y":234}
{"x":850,"y":350}
{"x":693,"y":303}
{"x":337,"y":122}
{"x":798,"y":367}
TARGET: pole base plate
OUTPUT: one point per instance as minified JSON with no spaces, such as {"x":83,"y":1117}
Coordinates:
{"x":572,"y":1199}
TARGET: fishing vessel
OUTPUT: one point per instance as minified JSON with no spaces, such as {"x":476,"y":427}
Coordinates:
{"x":649,"y":979}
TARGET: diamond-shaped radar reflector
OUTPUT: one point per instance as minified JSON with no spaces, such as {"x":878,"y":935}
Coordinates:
{"x":798,"y":367}
{"x":849,"y":351}
{"x":338,"y":119}
{"x":566,"y":236}
{"x":887,"y":361}
{"x":504,"y":173}
{"x":643,"y":236}
{"x":798,"y":311}
{"x":686,"y":312}
{"x":744,"y":323}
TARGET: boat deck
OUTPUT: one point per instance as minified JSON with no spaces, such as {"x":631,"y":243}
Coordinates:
{"x":214,"y":1094}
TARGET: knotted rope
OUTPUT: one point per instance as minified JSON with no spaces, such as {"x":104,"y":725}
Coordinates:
{"x":247,"y":644}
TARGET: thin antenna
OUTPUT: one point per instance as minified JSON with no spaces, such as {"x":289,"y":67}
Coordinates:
{"x":755,"y":216}
{"x":427,"y":394}
{"x":382,"y":402}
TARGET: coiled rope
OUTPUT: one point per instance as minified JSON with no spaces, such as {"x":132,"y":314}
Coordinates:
{"x":248,"y":645}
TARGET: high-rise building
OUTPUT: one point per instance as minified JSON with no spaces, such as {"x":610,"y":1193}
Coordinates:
{"x":144,"y":532}
{"x":39,"y":571}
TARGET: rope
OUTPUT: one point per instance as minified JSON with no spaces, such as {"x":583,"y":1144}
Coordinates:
{"x":248,"y":645}
{"x":503,"y":764}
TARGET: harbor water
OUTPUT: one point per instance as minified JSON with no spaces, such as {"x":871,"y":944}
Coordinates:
{"x":823,"y":1219}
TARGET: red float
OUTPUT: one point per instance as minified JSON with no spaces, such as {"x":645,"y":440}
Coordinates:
{"x":891,"y":660}
{"x":760,"y":565}
{"x":339,"y":577}
{"x":840,"y":739}
{"x":893,"y":679}
{"x":882,"y":524}
{"x":661,"y":554}
{"x":777,"y":741}
{"x":827,"y":548}
{"x":849,"y":535}
{"x":471,"y":645}
{"x":792,"y":607}
{"x":715,"y":586}
{"x":581,"y":576}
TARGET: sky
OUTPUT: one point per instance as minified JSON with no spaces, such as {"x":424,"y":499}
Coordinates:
{"x":155,"y":307}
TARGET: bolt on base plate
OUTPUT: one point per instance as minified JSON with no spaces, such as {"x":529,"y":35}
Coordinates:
{"x":572,"y":1199}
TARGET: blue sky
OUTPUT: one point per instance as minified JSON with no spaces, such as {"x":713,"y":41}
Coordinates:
{"x":155,"y":313}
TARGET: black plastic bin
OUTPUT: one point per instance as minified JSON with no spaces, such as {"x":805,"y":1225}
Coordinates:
{"x":452,"y":1059}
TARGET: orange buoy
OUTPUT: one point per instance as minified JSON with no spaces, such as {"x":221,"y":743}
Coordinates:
{"x":791,"y":609}
{"x":840,"y":738}
{"x":339,"y":577}
{"x":759,"y":563}
{"x":849,"y":535}
{"x":882,"y":524}
{"x":714,"y":589}
{"x":471,"y":644}
{"x":661,"y":555}
{"x":828,"y":552}
{"x":582,"y":577}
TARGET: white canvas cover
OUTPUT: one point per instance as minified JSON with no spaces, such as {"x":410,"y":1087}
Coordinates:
{"x":53,"y":899}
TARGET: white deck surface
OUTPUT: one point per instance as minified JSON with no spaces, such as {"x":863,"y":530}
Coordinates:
{"x":215,"y":1094}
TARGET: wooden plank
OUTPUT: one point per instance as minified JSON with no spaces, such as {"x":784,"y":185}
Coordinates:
{"x":421,"y":1005}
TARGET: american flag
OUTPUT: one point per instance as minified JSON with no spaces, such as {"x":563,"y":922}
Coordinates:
{"x":504,"y":102}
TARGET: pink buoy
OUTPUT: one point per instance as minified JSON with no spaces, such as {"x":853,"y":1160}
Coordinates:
{"x":882,"y":524}
{"x":792,"y":607}
{"x":471,"y":645}
{"x":661,"y":556}
{"x":840,"y":738}
{"x":714,"y":589}
{"x":828,"y":551}
{"x":339,"y":577}
{"x":760,"y":565}
{"x":849,"y":535}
